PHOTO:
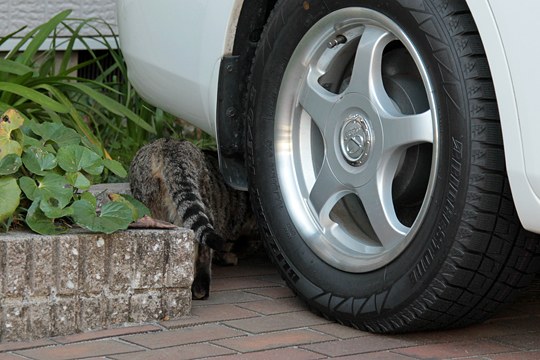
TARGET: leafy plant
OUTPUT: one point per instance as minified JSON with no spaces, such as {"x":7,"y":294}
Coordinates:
{"x":41,"y":85}
{"x":49,"y":164}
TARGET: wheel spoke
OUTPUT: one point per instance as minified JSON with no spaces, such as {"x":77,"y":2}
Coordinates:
{"x":376,"y":197}
{"x":408,"y":130}
{"x":317,"y":101}
{"x":367,"y":75}
{"x":325,"y":193}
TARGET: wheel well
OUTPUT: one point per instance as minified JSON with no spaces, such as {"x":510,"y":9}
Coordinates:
{"x":233,"y":82}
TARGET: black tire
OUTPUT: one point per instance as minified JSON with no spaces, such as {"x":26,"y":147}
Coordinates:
{"x":463,"y":253}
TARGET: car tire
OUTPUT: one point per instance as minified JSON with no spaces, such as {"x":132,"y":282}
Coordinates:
{"x":376,"y":164}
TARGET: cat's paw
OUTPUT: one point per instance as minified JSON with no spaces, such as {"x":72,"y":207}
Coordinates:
{"x":200,"y":289}
{"x":214,"y":241}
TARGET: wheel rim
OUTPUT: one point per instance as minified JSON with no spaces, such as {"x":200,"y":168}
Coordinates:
{"x":356,"y":139}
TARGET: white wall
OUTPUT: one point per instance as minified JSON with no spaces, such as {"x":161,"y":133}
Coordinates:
{"x":15,"y":14}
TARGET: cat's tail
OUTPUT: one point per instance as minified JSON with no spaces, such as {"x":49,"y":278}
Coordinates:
{"x":195,"y":218}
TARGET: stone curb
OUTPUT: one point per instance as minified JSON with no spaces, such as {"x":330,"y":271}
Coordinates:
{"x":66,"y":284}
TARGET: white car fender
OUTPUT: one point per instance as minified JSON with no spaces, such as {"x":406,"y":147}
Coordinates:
{"x":513,"y":51}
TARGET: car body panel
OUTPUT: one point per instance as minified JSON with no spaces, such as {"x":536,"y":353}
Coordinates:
{"x":174,"y":48}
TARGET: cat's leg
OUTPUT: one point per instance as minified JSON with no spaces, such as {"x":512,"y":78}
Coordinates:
{"x":200,"y":289}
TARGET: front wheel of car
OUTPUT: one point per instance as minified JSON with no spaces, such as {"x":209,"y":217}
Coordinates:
{"x":376,"y":164}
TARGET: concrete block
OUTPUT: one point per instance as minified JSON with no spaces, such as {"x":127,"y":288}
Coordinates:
{"x":145,"y":307}
{"x":61,"y":285}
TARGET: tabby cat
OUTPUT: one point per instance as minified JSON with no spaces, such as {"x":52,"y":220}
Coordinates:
{"x":182,"y":184}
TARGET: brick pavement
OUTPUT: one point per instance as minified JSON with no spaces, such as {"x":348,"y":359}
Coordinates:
{"x":251,"y":314}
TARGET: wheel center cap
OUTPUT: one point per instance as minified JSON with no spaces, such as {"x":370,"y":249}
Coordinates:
{"x":356,"y":139}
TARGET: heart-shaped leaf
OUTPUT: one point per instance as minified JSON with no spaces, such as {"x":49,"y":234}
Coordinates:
{"x":10,"y":194}
{"x":74,"y":158}
{"x":28,"y":186}
{"x":9,"y":121}
{"x":138,"y":209}
{"x":10,"y":164}
{"x":54,"y":186}
{"x":115,"y":167}
{"x":38,"y":160}
{"x":58,"y":133}
{"x":78,"y":180}
{"x":114,"y":216}
{"x":38,"y":222}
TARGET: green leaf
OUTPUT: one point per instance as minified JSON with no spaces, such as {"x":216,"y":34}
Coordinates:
{"x":54,"y":186}
{"x":78,"y":180}
{"x":28,"y":186}
{"x":74,"y":158}
{"x":15,"y":68}
{"x":138,"y":209}
{"x":33,"y":96}
{"x":88,"y":196}
{"x":114,"y":216}
{"x":115,"y":167}
{"x":52,"y":208}
{"x":112,"y":105}
{"x":10,"y":164}
{"x":38,"y":161}
{"x":38,"y":222}
{"x":58,"y":133}
{"x":10,"y":195}
{"x":9,"y":122}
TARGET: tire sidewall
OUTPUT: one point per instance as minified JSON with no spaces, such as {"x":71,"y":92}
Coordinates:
{"x":400,"y":282}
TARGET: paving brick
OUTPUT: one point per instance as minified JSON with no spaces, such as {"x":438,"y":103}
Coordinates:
{"x":250,"y":267}
{"x":287,"y":353}
{"x":238,"y":283}
{"x":9,"y":357}
{"x":274,"y":340}
{"x":22,"y":345}
{"x":95,"y":335}
{"x":77,"y":351}
{"x":381,"y":355}
{"x":206,"y":314}
{"x":183,"y":336}
{"x":275,"y":306}
{"x":522,"y":355}
{"x":278,"y":292}
{"x":364,"y":344}
{"x":455,"y":350}
{"x":529,"y":341}
{"x":228,"y":297}
{"x":192,"y":351}
{"x":340,"y":331}
{"x":277,"y":322}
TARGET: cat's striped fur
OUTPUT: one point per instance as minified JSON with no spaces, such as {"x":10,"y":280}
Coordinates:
{"x":182,"y":184}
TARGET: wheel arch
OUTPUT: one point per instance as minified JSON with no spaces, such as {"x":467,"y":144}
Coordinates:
{"x":516,"y":120}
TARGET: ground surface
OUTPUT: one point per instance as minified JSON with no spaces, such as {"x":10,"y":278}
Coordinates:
{"x":251,"y":314}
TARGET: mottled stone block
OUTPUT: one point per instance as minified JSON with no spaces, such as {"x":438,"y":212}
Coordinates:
{"x":149,"y":261}
{"x":42,"y":278}
{"x":64,"y":316}
{"x":75,"y":282}
{"x":146,"y":306}
{"x":92,"y":313}
{"x":176,"y":302}
{"x":180,"y":265}
{"x":15,"y":271}
{"x":93,"y":262}
{"x":15,"y":321}
{"x":40,"y":322}
{"x":122,"y":257}
{"x":117,"y":309}
{"x":67,"y":264}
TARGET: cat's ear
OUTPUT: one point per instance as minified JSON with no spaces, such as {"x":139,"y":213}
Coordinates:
{"x":214,"y":241}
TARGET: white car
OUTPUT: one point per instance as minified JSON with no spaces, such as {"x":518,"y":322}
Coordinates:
{"x":390,"y":147}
